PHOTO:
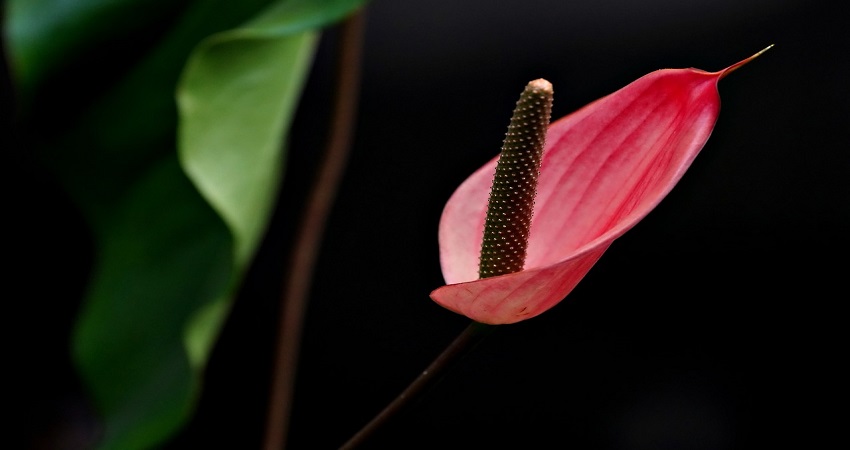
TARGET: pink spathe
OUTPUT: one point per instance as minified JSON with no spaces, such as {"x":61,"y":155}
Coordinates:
{"x":604,"y":168}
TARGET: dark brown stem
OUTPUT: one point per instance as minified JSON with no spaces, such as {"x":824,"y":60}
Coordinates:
{"x":310,"y":232}
{"x":462,"y":345}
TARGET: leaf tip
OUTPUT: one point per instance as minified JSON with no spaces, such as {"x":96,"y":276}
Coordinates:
{"x":736,"y":66}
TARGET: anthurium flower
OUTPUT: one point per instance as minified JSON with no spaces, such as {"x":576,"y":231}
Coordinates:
{"x":603,"y":169}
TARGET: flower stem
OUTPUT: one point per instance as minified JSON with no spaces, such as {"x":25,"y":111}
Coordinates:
{"x":307,"y":242}
{"x":461,"y":346}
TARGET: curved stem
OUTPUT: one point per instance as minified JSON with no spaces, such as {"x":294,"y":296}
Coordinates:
{"x":462,"y":345}
{"x":311,"y":229}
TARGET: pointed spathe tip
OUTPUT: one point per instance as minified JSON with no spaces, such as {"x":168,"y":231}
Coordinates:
{"x":736,"y":66}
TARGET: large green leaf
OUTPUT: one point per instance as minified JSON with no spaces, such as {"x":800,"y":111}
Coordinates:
{"x":167,"y":261}
{"x":236,"y":101}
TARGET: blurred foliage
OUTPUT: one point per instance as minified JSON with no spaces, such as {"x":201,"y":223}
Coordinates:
{"x":166,"y":123}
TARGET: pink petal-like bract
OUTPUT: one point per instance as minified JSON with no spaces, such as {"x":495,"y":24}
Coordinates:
{"x":604,"y":168}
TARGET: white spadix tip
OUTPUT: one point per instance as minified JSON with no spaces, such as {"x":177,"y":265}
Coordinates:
{"x":540,"y":84}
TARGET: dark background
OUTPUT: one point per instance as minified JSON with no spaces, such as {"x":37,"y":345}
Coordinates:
{"x":713,"y":324}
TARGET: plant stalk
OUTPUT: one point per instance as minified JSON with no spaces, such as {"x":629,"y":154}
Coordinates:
{"x":311,"y":230}
{"x":461,"y":346}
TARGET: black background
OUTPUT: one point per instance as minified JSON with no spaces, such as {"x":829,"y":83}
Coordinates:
{"x":713,"y":324}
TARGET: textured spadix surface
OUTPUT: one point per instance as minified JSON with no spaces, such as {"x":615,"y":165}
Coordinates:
{"x":604,"y":168}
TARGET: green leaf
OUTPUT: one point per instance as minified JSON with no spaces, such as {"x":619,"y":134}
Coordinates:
{"x":236,"y":101}
{"x":169,"y":253}
{"x":170,"y":250}
{"x":163,"y":256}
